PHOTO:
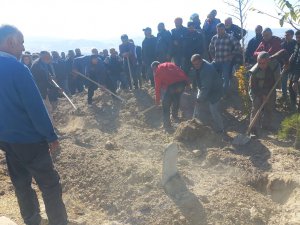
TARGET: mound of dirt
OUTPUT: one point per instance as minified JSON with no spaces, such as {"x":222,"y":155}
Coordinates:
{"x":192,"y":130}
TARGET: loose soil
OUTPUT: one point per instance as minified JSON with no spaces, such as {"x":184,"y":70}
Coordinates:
{"x":110,"y":165}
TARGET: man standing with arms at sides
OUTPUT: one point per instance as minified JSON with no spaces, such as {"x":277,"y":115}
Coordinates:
{"x":170,"y":82}
{"x":210,"y":26}
{"x":253,"y":44}
{"x":179,"y":34}
{"x":128,"y":54}
{"x":148,"y":53}
{"x":163,"y":44}
{"x":222,"y":49}
{"x":27,"y":135}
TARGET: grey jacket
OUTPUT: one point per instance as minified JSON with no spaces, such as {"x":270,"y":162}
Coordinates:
{"x":209,"y":83}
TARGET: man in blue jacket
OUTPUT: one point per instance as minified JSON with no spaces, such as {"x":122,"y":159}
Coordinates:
{"x":27,"y":135}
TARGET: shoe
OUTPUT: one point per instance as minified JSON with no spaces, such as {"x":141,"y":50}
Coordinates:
{"x":254,"y":133}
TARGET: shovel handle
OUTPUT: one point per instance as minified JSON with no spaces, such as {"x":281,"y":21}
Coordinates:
{"x":264,"y":103}
{"x":99,"y":85}
{"x":148,"y":109}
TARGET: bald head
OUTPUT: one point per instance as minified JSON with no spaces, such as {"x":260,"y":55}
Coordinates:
{"x":11,"y":40}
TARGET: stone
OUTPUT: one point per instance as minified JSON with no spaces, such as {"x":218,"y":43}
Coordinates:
{"x":170,"y":163}
{"x":197,"y":153}
{"x":109,"y":145}
{"x":6,"y":221}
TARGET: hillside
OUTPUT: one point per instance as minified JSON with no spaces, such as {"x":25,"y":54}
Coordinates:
{"x":111,"y":167}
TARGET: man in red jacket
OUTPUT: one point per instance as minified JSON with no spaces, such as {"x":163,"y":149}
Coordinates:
{"x":170,"y":82}
{"x":270,"y":44}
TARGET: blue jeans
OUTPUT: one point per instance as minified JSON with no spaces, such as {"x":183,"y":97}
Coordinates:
{"x":27,"y":161}
{"x":225,"y":69}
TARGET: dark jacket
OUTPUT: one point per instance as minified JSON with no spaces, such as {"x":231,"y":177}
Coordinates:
{"x":42,"y":76}
{"x":194,"y":44}
{"x":210,"y":29}
{"x":289,"y":46}
{"x":179,"y":36}
{"x":235,"y":31}
{"x":80,"y":63}
{"x":130,"y":48}
{"x":295,"y":64}
{"x":261,"y":82}
{"x":148,"y":50}
{"x":96,"y":72}
{"x":209,"y":83}
{"x":114,"y":66}
{"x":138,"y":52}
{"x":251,"y":47}
{"x":60,"y":70}
{"x":163,"y":45}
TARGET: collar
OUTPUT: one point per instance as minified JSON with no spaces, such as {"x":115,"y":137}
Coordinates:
{"x":5,"y":54}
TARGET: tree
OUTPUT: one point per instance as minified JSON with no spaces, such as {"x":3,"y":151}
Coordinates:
{"x":287,"y":12}
{"x":239,"y":9}
{"x":239,"y":12}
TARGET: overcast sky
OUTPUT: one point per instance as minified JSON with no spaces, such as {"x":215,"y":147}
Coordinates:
{"x":98,"y":19}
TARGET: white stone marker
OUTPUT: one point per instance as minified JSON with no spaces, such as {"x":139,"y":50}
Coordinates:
{"x":170,"y":163}
{"x":5,"y":221}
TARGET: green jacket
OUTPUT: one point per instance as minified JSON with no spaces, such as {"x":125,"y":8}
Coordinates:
{"x":262,"y":81}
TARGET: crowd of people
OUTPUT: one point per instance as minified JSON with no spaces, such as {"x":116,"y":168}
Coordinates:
{"x":195,"y":58}
{"x":130,"y":67}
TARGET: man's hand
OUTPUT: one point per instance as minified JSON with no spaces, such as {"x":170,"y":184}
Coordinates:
{"x":53,"y":146}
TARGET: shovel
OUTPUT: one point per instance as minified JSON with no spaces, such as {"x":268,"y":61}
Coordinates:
{"x":64,"y":93}
{"x":243,"y":139}
{"x":147,"y":110}
{"x":100,"y":86}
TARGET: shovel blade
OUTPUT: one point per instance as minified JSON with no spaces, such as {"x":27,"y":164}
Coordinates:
{"x":241,"y":139}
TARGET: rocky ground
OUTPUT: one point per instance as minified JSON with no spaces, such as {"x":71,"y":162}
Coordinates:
{"x":111,"y":167}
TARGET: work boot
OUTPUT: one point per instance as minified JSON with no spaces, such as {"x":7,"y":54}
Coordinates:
{"x":254,"y":133}
{"x":168,"y":127}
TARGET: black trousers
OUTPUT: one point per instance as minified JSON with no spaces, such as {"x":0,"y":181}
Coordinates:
{"x":91,"y":89}
{"x":293,"y":95}
{"x":170,"y":99}
{"x":27,"y":161}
